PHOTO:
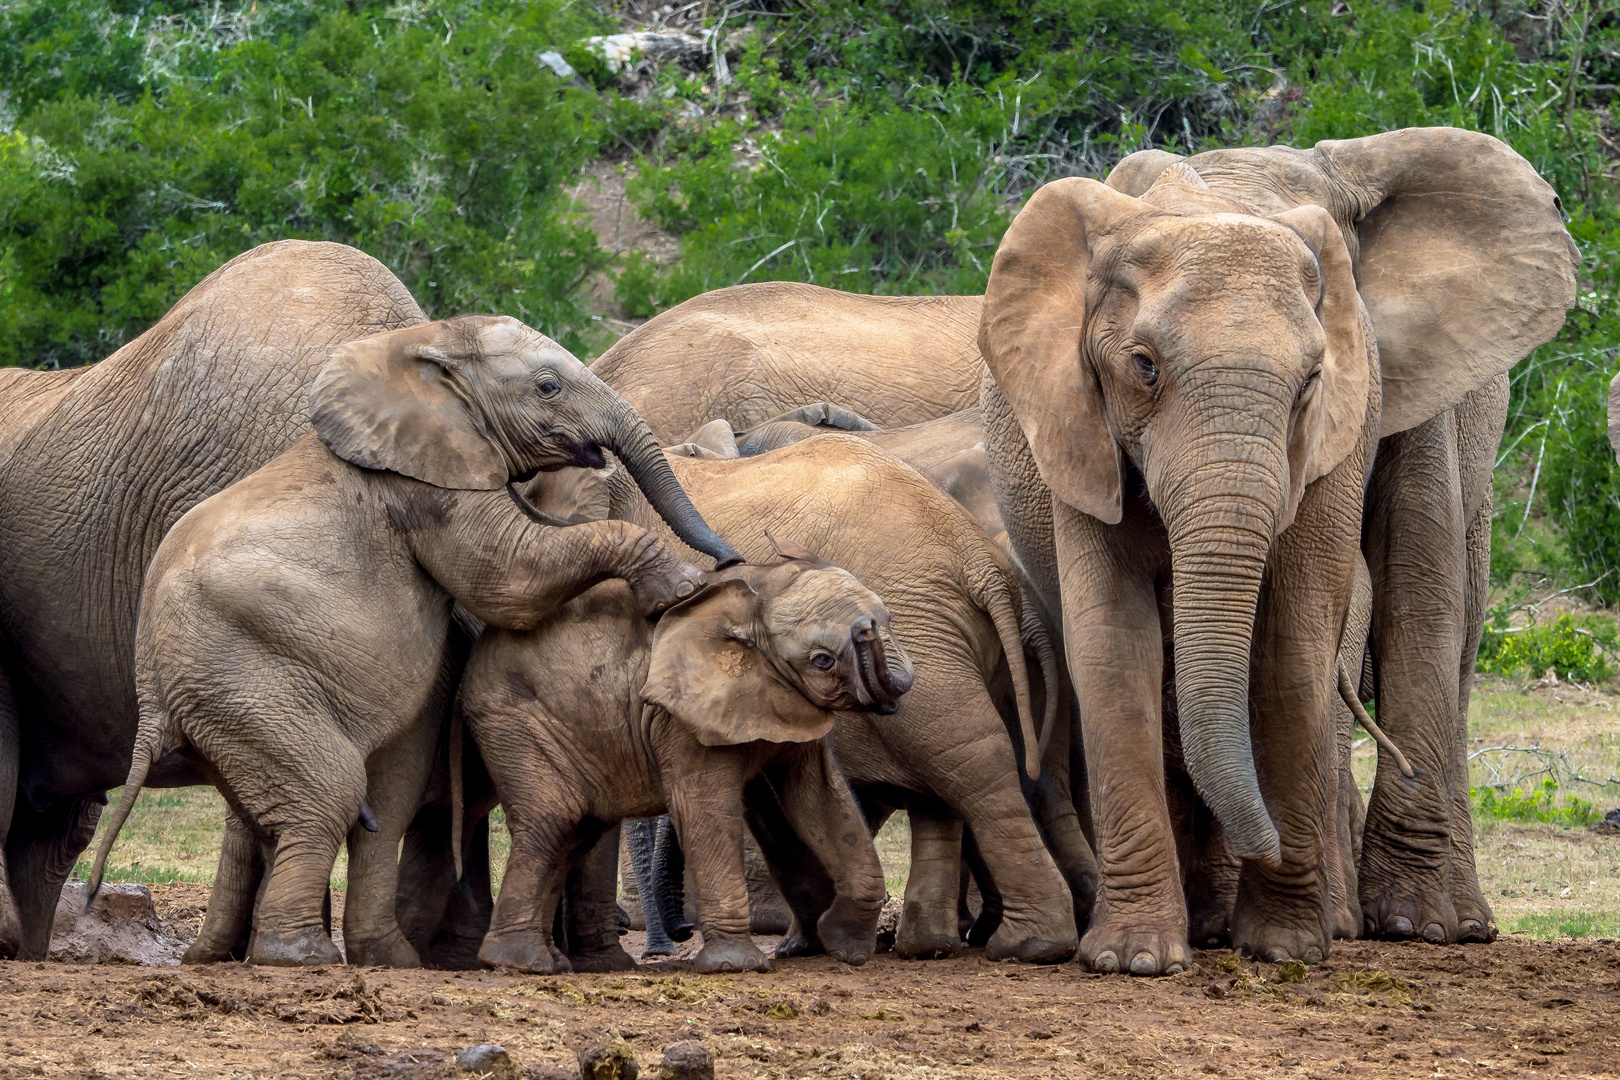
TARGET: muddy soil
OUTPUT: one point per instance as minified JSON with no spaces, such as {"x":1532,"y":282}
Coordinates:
{"x":1373,"y":1010}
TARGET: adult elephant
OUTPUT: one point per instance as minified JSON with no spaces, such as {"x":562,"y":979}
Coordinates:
{"x":96,"y":464}
{"x":1185,"y":394}
{"x":750,"y":352}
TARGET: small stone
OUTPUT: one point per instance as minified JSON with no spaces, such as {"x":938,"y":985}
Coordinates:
{"x":487,"y":1059}
{"x":686,"y":1061}
{"x":607,"y":1057}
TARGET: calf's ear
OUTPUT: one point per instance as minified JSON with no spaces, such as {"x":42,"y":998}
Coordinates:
{"x":708,"y":673}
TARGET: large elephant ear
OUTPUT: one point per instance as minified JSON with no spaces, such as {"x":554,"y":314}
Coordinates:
{"x":1614,"y":415}
{"x":393,"y":402}
{"x":1336,"y":405}
{"x":708,"y":674}
{"x":1465,"y":264}
{"x":1136,"y":172}
{"x":1034,"y":314}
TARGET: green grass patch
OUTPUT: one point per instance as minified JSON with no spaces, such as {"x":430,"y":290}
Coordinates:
{"x":1569,"y":924}
{"x":140,"y":873}
{"x":1541,"y":803}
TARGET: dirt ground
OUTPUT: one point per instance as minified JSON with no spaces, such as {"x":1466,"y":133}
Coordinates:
{"x":1373,"y":1009}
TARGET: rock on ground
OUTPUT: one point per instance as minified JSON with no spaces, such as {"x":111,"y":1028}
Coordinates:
{"x":120,"y":927}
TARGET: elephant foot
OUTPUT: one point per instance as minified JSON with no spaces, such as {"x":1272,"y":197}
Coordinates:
{"x":307,"y":947}
{"x":919,"y":943}
{"x":796,"y":942}
{"x":1209,"y":928}
{"x":1411,"y":910}
{"x":1475,"y":921}
{"x":451,"y":953}
{"x":852,"y":940}
{"x":723,"y":955}
{"x":1112,"y":946}
{"x":528,"y":952}
{"x":390,"y":950}
{"x":208,"y":951}
{"x":1274,"y":944}
{"x":10,"y":924}
{"x":600,"y":961}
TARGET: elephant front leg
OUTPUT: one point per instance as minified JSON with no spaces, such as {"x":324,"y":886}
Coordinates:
{"x":229,"y":919}
{"x":1415,"y":547}
{"x":705,"y":806}
{"x":928,"y":929}
{"x":41,"y":850}
{"x":1115,"y":646}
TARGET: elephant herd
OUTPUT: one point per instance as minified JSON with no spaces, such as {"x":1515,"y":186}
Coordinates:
{"x":1090,"y":576}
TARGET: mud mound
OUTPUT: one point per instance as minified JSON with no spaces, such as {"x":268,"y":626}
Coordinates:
{"x":121,"y":927}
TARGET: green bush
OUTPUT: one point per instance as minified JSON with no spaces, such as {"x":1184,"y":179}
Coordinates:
{"x":426,"y":135}
{"x":1535,"y":804}
{"x":1579,"y":649}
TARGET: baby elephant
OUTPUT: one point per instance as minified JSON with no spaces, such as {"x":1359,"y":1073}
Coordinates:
{"x":598,"y":715}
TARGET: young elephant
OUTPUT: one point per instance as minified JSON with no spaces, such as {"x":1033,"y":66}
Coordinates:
{"x":295,"y":633}
{"x":596,"y":716}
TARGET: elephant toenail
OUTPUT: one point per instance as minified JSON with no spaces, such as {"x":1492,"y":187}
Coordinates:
{"x":1174,"y":969}
{"x":1401,"y":925}
{"x":1276,"y":954}
{"x":1144,"y":963}
{"x":1313,"y":955}
{"x":1434,"y":934}
{"x":1106,"y":961}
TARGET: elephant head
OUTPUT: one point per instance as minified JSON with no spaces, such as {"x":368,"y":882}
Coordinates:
{"x":478,"y":401}
{"x":770,"y":653}
{"x":1213,"y":335}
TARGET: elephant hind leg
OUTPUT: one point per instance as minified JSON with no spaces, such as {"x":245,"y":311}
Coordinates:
{"x":592,"y":907}
{"x":228,"y":922}
{"x":928,"y":916}
{"x":41,"y":850}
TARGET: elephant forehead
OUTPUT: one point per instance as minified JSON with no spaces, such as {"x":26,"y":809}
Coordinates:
{"x":823,"y":599}
{"x":1236,"y":246}
{"x":507,"y":337}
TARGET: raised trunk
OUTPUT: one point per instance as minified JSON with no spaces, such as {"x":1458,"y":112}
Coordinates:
{"x":628,"y":436}
{"x":1219,"y":543}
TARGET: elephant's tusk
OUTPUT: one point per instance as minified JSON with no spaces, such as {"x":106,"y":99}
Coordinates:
{"x":1348,"y":692}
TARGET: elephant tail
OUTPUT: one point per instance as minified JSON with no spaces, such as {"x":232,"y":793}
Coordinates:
{"x":1039,"y":642}
{"x":998,"y":598}
{"x":457,"y":792}
{"x":152,"y":736}
{"x":1347,"y":690}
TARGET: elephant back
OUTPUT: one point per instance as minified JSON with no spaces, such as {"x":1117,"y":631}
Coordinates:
{"x":752,"y":352}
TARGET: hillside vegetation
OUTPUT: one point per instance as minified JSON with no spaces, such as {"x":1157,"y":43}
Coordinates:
{"x":876,"y":147}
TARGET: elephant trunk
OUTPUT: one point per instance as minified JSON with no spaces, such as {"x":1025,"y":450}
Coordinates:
{"x":1219,"y":542}
{"x":887,"y":677}
{"x":629,"y":437}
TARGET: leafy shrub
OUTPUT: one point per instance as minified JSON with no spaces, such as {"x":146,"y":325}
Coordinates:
{"x":1576,"y":648}
{"x":426,"y":135}
{"x":1535,"y":804}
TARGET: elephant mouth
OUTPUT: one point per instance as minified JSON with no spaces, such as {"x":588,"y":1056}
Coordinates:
{"x":586,"y":455}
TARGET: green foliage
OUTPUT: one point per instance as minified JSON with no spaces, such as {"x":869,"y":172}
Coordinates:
{"x":1535,"y":804}
{"x":1578,"y":649}
{"x":427,"y":136}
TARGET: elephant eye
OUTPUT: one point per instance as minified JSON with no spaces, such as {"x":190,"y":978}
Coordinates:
{"x":1310,"y":382}
{"x":822,"y":660}
{"x":1146,"y":368}
{"x":548,"y":387}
